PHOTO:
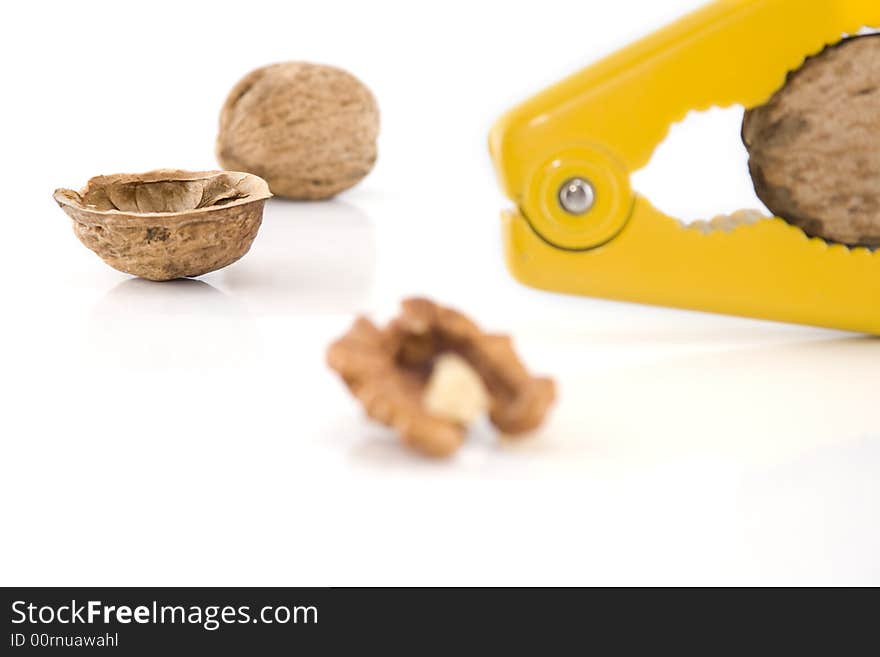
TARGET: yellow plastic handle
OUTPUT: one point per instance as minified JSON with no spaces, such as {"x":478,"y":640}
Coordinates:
{"x":605,"y":122}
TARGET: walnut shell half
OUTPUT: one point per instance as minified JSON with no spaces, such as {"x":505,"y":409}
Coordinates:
{"x":814,"y":147}
{"x":389,"y":369}
{"x":167,"y":224}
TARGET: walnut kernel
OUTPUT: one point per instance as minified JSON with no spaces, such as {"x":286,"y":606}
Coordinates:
{"x":390,"y":371}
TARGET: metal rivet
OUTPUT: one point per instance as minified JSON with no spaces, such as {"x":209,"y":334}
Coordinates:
{"x":577,"y":196}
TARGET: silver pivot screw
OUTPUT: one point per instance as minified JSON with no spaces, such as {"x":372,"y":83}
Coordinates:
{"x":577,"y":196}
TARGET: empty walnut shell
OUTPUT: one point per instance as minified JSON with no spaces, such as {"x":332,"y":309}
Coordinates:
{"x":309,"y":130}
{"x":388,"y":370}
{"x":814,"y":148}
{"x":167,"y":224}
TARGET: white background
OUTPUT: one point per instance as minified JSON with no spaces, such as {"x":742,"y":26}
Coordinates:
{"x":189,"y":433}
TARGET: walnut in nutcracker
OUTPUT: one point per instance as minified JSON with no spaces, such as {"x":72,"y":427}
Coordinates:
{"x":814,"y":148}
{"x":432,"y":371}
{"x":309,"y":130}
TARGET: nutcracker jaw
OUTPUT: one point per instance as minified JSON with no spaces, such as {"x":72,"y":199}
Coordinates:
{"x":565,"y":158}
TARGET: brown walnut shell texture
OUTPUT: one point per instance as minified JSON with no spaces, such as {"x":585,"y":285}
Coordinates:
{"x":388,"y":369}
{"x":168,"y":223}
{"x":814,"y":148}
{"x":309,"y":130}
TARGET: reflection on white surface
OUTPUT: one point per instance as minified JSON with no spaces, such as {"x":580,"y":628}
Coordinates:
{"x":814,"y":518}
{"x":763,"y":405}
{"x":371,"y":445}
{"x":316,"y":258}
{"x":177,"y":324}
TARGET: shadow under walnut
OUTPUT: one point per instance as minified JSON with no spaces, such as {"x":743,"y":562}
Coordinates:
{"x":404,"y":378}
{"x":814,"y":147}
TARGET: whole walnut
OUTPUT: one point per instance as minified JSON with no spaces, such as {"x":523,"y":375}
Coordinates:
{"x":309,"y":130}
